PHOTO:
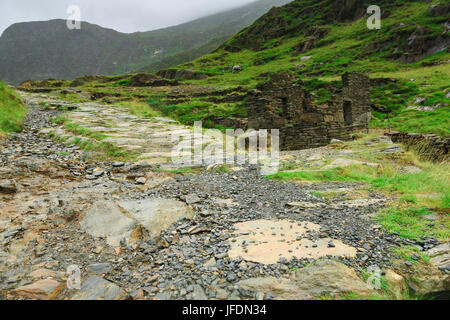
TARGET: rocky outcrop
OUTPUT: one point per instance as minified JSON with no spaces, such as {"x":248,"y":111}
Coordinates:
{"x":430,"y":282}
{"x":439,"y":9}
{"x":312,"y":36}
{"x":423,"y":43}
{"x":323,"y":278}
{"x":96,"y":288}
{"x":280,"y":22}
{"x":149,"y":80}
{"x":428,"y":146}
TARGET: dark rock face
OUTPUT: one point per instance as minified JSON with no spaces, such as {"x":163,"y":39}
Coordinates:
{"x":283,"y":104}
{"x":350,"y":10}
{"x":429,"y":146}
{"x":274,"y":23}
{"x":182,"y":74}
{"x":238,"y":123}
{"x":421,"y":44}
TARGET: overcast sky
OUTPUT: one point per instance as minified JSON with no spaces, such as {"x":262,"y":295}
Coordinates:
{"x":121,"y":15}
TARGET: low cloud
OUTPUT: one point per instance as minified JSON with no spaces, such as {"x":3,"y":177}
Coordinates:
{"x":121,"y":15}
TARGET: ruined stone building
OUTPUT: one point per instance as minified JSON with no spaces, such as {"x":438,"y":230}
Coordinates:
{"x":283,"y":104}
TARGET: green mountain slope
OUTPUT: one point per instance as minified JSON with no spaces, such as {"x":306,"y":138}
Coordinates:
{"x":319,"y":40}
{"x":42,"y":50}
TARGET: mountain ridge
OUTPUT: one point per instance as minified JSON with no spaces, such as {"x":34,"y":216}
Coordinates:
{"x":42,"y":50}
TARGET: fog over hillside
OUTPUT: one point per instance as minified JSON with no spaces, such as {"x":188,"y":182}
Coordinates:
{"x":124,"y":16}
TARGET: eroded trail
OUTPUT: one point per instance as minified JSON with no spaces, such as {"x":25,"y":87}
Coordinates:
{"x":138,"y":232}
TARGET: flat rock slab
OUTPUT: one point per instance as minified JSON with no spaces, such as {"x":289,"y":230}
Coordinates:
{"x":46,"y":289}
{"x":440,"y":256}
{"x":126,"y":219}
{"x":105,"y":219}
{"x":155,"y":215}
{"x":392,"y":149}
{"x":96,"y":288}
{"x":266,"y":241}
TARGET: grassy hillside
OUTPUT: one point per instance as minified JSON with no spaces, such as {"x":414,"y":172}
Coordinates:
{"x":276,"y":42}
{"x":318,"y":41}
{"x":12,"y":110}
{"x":42,"y":50}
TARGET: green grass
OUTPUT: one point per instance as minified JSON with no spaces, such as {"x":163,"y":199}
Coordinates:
{"x":72,"y":97}
{"x":104,"y":150}
{"x":426,"y":122}
{"x":197,"y":109}
{"x":77,"y":129}
{"x":97,"y":148}
{"x":140,"y":109}
{"x":433,"y":178}
{"x":394,"y":96}
{"x":409,"y":223}
{"x":12,"y":110}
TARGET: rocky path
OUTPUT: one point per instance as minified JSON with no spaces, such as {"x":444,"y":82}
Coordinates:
{"x":150,"y":140}
{"x":138,"y":233}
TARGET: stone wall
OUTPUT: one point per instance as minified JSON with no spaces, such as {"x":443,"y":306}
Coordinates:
{"x":236,"y":123}
{"x":283,"y":104}
{"x":428,"y":146}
